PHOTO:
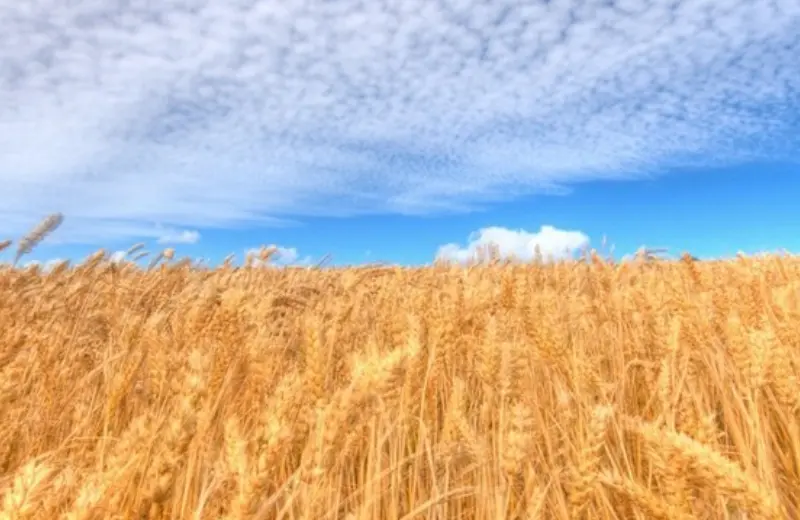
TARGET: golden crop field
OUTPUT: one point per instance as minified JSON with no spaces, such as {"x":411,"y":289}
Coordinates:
{"x":595,"y":390}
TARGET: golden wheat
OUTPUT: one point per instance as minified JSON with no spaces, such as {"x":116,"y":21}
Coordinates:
{"x":552,"y":390}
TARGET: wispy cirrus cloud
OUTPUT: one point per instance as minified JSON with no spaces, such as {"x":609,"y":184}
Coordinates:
{"x":216,"y":113}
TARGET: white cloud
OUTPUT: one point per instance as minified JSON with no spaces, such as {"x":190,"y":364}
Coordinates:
{"x":553,"y":243}
{"x":46,"y":266}
{"x":117,"y":257}
{"x":286,"y":254}
{"x":222,"y":113}
{"x":282,"y":256}
{"x":179,"y":237}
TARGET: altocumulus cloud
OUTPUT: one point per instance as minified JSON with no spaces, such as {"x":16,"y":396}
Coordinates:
{"x":221,"y":113}
{"x":552,"y":244}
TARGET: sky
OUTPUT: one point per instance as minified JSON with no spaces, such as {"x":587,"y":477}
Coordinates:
{"x":400,"y":131}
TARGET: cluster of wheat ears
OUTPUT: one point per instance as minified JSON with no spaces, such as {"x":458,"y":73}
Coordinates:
{"x":569,"y":390}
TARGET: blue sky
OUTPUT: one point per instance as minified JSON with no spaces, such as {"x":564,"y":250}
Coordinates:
{"x":401,"y":131}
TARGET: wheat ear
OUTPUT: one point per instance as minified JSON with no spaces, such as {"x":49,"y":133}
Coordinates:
{"x":37,"y":234}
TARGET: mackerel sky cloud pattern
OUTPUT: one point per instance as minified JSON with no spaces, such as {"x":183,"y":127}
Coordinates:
{"x":130,"y":114}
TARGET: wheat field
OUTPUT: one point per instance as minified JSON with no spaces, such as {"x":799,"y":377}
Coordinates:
{"x":578,"y":389}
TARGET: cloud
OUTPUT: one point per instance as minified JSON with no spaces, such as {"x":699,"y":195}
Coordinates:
{"x":46,"y":266}
{"x":553,"y":243}
{"x":223,"y":114}
{"x":179,"y":237}
{"x":117,"y":257}
{"x":283,"y":256}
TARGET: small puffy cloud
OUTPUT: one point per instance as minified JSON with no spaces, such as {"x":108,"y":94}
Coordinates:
{"x":552,"y":242}
{"x":286,"y":255}
{"x":281,"y":256}
{"x":45,"y":266}
{"x":644,"y":252}
{"x":118,"y":256}
{"x":50,"y":264}
{"x":179,"y":237}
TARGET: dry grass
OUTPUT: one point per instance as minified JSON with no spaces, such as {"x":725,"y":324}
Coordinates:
{"x":572,"y":390}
